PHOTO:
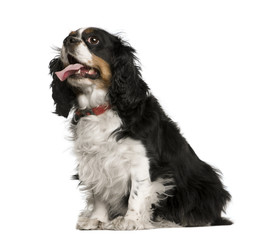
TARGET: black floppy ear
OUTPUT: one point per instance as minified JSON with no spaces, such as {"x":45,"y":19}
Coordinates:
{"x":127,"y":88}
{"x":63,"y":96}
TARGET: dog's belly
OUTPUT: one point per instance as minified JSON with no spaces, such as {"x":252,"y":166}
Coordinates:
{"x":104,"y":163}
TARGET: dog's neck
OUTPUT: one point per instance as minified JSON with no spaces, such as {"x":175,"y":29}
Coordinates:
{"x":92,"y":97}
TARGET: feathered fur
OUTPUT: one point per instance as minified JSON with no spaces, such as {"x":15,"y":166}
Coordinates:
{"x":197,"y":196}
{"x":63,"y":96}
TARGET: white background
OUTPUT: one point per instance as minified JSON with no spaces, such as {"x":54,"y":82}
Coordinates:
{"x":198,"y":57}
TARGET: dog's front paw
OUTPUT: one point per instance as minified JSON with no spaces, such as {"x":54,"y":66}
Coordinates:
{"x":87,"y":224}
{"x":124,"y":223}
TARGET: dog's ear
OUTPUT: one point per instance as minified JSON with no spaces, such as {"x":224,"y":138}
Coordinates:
{"x":127,"y":88}
{"x":63,"y":96}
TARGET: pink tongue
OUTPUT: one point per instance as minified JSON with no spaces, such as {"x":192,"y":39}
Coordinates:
{"x":69,"y":70}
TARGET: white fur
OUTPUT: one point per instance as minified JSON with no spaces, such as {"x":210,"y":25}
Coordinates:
{"x":83,"y":101}
{"x":107,"y":166}
{"x":92,"y":97}
{"x":83,"y":54}
{"x":98,"y":154}
{"x":80,"y":31}
{"x":109,"y":170}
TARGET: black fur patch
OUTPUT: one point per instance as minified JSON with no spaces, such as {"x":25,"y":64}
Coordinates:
{"x":63,"y":96}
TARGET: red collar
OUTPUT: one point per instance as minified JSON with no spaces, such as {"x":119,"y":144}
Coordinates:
{"x":79,"y":113}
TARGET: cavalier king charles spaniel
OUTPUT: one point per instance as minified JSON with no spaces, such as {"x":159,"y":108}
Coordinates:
{"x":136,"y":169}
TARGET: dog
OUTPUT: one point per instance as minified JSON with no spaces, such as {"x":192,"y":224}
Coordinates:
{"x":136,"y":169}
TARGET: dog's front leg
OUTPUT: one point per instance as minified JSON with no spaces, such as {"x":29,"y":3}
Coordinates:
{"x":84,"y":220}
{"x":139,"y":205}
{"x":93,"y":215}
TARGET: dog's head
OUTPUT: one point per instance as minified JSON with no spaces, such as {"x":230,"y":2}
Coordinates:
{"x":94,"y":58}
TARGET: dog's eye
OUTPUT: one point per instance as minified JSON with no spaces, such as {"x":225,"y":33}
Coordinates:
{"x":93,"y":40}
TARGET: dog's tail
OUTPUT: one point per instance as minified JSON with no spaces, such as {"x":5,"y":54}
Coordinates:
{"x":221,"y":221}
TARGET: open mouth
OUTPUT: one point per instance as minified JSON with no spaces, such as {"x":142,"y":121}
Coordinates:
{"x":83,"y":70}
{"x":77,"y":70}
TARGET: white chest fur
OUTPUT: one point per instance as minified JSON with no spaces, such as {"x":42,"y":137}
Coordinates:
{"x":104,"y":163}
{"x":111,"y":170}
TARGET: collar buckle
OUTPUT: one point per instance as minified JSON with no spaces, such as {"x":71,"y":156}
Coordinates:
{"x":79,"y":113}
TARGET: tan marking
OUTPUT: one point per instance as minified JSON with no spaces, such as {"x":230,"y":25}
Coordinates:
{"x":73,"y":33}
{"x":105,"y":72}
{"x":89,"y":30}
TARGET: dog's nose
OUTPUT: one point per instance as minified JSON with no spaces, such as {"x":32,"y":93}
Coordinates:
{"x":71,"y":40}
